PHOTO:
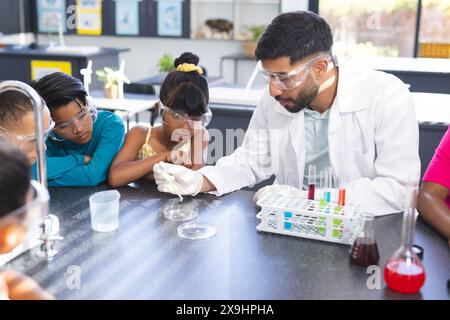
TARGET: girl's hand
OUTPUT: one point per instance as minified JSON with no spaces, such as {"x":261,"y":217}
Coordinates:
{"x":4,"y":292}
{"x":181,"y":154}
{"x":174,"y":156}
{"x":180,"y":157}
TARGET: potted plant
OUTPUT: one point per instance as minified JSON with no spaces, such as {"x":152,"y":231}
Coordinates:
{"x":254,"y":33}
{"x":165,"y":64}
{"x":110,"y":78}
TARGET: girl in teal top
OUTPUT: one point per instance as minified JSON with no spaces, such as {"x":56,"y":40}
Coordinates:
{"x":84,"y":142}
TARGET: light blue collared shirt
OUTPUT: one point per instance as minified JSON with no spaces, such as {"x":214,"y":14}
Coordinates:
{"x":316,"y":143}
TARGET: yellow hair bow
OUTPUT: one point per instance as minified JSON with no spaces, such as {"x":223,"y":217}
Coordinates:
{"x":188,"y":67}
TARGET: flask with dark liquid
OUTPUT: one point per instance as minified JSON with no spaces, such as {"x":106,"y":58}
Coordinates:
{"x":364,"y":251}
{"x":404,"y":272}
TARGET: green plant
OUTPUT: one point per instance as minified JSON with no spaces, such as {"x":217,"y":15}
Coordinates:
{"x":108,"y":76}
{"x":165,"y":63}
{"x":256,"y":31}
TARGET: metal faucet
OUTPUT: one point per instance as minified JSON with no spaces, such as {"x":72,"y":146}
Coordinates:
{"x":49,"y":236}
{"x":38,"y":107}
{"x":50,"y":225}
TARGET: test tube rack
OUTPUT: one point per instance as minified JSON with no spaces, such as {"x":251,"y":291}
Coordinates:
{"x":294,"y":215}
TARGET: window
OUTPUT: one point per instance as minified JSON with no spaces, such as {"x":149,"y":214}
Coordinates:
{"x":434,"y":35}
{"x":372,"y":28}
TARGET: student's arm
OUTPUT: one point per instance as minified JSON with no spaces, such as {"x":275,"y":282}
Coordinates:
{"x":125,"y":168}
{"x":96,"y":171}
{"x":432,"y":207}
{"x":435,"y":189}
{"x":250,"y":163}
{"x":21,"y":287}
{"x":58,"y":166}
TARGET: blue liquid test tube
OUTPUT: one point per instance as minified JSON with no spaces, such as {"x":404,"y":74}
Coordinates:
{"x":328,"y":182}
{"x":328,"y":196}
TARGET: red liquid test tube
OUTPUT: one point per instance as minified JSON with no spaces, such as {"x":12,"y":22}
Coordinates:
{"x":311,"y":181}
{"x":341,"y":197}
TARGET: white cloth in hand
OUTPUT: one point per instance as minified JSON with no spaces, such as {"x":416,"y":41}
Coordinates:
{"x":276,"y":188}
{"x":177,"y":179}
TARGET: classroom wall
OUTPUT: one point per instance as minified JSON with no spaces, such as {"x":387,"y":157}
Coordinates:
{"x":144,"y":53}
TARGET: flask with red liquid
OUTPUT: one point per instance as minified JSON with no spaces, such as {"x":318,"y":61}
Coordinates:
{"x":404,"y":272}
{"x":364,"y":251}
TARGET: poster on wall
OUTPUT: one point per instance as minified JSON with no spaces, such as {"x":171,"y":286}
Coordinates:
{"x":89,"y":17}
{"x":51,"y":14}
{"x":127,"y":17}
{"x":90,"y":4}
{"x":170,"y":21}
{"x":41,"y":68}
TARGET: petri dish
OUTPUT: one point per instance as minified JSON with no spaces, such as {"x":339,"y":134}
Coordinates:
{"x":196,"y":231}
{"x":180,"y":213}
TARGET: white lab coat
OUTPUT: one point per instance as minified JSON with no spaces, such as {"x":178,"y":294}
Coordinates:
{"x":373,"y":140}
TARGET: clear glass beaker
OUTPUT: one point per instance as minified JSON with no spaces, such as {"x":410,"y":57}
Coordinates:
{"x":104,"y":207}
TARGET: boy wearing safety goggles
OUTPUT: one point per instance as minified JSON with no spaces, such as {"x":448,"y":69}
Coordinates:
{"x":182,"y":137}
{"x":84,"y":141}
{"x":17,"y":122}
{"x":20,"y":213}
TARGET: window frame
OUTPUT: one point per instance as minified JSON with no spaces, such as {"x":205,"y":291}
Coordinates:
{"x":313,"y":5}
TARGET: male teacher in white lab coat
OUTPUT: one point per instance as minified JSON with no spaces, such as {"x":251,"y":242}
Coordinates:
{"x":358,"y":121}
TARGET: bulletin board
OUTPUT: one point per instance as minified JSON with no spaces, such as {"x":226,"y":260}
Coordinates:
{"x":130,"y":18}
{"x":40,"y":68}
{"x":89,"y":17}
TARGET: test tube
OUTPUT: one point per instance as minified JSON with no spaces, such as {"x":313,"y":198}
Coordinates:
{"x":311,"y":181}
{"x":322,"y":189}
{"x":341,"y":199}
{"x":324,"y":185}
{"x":336,"y":186}
{"x":328,"y":182}
{"x":341,"y":193}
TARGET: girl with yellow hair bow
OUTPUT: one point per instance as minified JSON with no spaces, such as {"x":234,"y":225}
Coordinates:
{"x":182,"y":137}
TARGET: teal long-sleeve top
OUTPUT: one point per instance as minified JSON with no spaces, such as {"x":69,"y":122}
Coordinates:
{"x":65,"y":159}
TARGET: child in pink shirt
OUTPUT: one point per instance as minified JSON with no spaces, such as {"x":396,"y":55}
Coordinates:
{"x":434,"y":196}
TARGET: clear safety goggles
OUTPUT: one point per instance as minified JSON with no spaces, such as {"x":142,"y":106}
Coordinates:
{"x":85,"y":113}
{"x":27,"y":219}
{"x":26,"y":142}
{"x":291,"y":79}
{"x":179,"y":118}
